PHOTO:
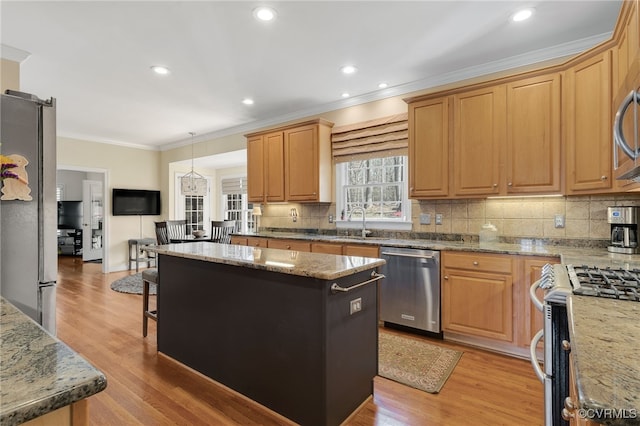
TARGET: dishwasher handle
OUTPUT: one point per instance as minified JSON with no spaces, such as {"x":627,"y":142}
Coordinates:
{"x":415,"y":256}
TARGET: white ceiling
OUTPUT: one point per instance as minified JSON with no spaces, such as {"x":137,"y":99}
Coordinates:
{"x":95,"y":57}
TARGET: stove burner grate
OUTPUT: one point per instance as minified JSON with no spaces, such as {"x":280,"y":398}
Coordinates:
{"x":606,"y":282}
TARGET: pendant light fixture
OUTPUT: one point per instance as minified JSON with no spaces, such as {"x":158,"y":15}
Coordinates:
{"x":193,"y":183}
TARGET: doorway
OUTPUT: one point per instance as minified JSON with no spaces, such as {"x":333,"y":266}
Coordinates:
{"x":87,"y":185}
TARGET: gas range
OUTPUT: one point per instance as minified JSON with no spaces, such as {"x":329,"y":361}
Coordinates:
{"x":619,"y":284}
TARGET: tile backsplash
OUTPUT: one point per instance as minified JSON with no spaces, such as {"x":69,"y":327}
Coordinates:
{"x":528,"y":217}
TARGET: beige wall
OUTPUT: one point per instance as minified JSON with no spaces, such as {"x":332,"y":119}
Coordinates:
{"x":9,"y":75}
{"x":125,"y":168}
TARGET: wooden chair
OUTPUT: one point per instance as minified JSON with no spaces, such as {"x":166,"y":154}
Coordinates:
{"x":170,"y":230}
{"x":221,"y":230}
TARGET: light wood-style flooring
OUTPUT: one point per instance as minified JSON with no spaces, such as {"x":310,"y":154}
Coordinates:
{"x":146,"y":389}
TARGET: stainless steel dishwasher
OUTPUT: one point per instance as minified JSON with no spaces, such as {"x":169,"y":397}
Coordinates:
{"x":410,"y":294}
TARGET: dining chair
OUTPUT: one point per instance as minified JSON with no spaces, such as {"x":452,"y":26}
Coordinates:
{"x":221,"y":230}
{"x":171,"y":230}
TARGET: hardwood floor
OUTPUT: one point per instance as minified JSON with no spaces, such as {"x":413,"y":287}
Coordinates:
{"x":147,"y":389}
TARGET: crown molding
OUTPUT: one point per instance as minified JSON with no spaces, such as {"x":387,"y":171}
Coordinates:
{"x":541,"y":55}
{"x":85,"y":138}
{"x":12,"y":53}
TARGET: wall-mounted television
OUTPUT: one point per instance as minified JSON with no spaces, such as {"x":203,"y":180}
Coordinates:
{"x":69,"y":214}
{"x":133,"y":202}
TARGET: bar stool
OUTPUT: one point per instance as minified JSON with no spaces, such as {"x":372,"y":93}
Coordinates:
{"x":149,"y":276}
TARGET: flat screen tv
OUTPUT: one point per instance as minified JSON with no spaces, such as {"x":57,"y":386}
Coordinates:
{"x":69,"y":214}
{"x":133,"y":202}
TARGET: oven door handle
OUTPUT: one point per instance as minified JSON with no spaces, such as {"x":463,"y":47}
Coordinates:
{"x":534,"y":359}
{"x":534,"y":297}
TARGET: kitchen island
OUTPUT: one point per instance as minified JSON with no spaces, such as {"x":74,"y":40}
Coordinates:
{"x":41,"y":377}
{"x":296,"y":332}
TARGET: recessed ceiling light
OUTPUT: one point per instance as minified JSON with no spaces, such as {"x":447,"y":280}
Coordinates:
{"x":264,"y":13}
{"x":522,"y":15}
{"x":383,"y":85}
{"x":348,"y":69}
{"x":159,"y":69}
{"x":345,"y":95}
{"x":247,"y":101}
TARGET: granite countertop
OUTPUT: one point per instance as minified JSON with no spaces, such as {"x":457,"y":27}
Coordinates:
{"x":315,"y":265}
{"x":569,"y":255}
{"x":605,"y":345}
{"x":38,"y":373}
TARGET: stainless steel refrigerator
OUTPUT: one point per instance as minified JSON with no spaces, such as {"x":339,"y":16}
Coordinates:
{"x":28,"y":231}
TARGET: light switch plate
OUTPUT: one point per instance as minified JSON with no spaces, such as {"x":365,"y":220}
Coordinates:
{"x":559,"y":221}
{"x":355,"y":305}
{"x":425,"y":218}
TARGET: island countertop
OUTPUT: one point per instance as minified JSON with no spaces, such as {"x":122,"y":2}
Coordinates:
{"x":38,"y":373}
{"x":605,"y":347}
{"x":314,"y":265}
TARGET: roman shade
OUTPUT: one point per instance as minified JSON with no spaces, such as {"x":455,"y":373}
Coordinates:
{"x":234,"y":186}
{"x":382,"y":137}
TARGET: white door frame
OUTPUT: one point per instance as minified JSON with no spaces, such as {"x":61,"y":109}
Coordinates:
{"x":106,"y":207}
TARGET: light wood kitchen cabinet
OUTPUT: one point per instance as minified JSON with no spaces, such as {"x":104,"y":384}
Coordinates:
{"x":429,"y":148}
{"x":238,"y":240}
{"x":257,"y":242}
{"x":265,"y":166}
{"x":533,"y":135}
{"x":291,"y":163}
{"x":477,"y":297}
{"x":255,"y":169}
{"x":360,"y":250}
{"x":327,"y":248}
{"x":282,"y":244}
{"x":478,"y":140}
{"x":587,"y":124}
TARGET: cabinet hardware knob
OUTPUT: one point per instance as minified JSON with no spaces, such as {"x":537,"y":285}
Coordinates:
{"x":446,"y":277}
{"x":495,"y":185}
{"x":475,"y":263}
{"x":510,"y":184}
{"x":288,"y":247}
{"x":567,"y":415}
{"x":603,"y":178}
{"x":569,"y":404}
{"x":566,"y":345}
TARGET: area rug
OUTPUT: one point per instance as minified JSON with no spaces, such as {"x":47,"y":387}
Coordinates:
{"x":415,"y":363}
{"x":131,"y":284}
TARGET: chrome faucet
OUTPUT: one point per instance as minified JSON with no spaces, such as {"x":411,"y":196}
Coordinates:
{"x":365,"y":231}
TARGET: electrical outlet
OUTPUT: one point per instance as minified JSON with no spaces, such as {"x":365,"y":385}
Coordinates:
{"x":355,"y":306}
{"x":425,"y":218}
{"x":438,"y":218}
{"x":330,"y":218}
{"x":559,"y":221}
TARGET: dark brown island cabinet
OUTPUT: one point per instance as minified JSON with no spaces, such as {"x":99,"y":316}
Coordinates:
{"x":296,"y":332}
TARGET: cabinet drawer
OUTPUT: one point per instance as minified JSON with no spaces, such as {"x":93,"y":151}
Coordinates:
{"x":289,"y":245}
{"x":327,"y":248}
{"x":360,"y":250}
{"x":257,"y":242}
{"x":241,"y":241}
{"x":478,"y":262}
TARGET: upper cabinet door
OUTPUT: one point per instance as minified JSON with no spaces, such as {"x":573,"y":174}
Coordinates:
{"x":302,"y":163}
{"x":587,"y":107}
{"x":274,"y":166}
{"x":255,"y":169}
{"x":429,"y":148}
{"x":533,"y":141}
{"x":478,"y":140}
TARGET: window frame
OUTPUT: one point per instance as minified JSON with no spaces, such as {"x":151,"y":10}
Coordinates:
{"x":403,"y":222}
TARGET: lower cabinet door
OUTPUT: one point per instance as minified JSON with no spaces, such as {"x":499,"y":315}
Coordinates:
{"x":477,"y":304}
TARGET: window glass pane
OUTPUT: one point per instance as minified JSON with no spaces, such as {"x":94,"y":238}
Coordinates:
{"x":377,"y":185}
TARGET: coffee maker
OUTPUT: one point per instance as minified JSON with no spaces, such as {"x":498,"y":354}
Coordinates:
{"x":624,"y":229}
